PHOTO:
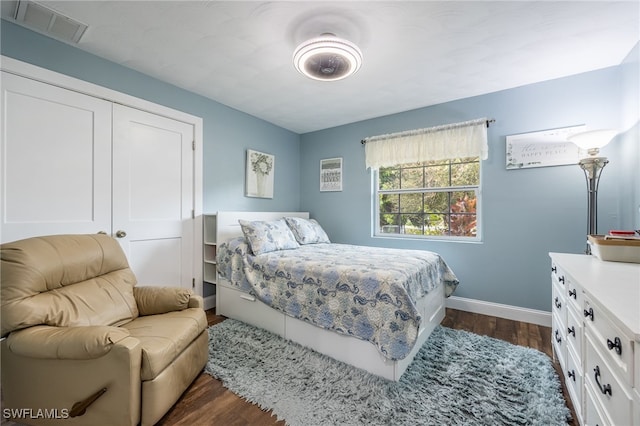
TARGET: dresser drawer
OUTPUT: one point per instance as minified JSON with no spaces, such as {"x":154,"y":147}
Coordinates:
{"x":574,"y":382}
{"x":574,"y":332}
{"x":559,"y":340}
{"x":558,"y":304}
{"x":246,"y":308}
{"x":558,"y":275}
{"x":617,"y":348}
{"x":610,"y":391}
{"x":593,"y":415}
{"x":573,"y":293}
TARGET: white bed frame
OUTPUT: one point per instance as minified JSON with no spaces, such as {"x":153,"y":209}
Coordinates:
{"x":232,"y":303}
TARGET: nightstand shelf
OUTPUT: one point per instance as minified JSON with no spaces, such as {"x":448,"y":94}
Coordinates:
{"x":210,"y":249}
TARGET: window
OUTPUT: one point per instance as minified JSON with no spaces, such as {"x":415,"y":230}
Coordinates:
{"x":427,"y":181}
{"x":435,"y":199}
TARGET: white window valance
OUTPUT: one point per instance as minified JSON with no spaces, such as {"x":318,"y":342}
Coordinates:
{"x":457,"y":140}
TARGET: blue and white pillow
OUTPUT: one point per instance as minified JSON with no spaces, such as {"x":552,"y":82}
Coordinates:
{"x":307,"y":231}
{"x":267,"y":236}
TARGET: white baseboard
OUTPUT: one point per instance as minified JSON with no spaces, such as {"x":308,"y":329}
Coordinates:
{"x":514,"y":313}
{"x":209,"y":302}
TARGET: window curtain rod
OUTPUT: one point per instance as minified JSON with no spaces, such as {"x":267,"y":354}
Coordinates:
{"x":488,"y":121}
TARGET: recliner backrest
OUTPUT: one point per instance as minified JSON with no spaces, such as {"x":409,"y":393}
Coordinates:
{"x":65,"y":280}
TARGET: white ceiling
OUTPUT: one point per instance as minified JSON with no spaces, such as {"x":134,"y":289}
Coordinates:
{"x":416,"y":53}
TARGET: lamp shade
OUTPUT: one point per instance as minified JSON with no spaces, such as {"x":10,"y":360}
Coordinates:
{"x":327,"y":58}
{"x":593,"y":139}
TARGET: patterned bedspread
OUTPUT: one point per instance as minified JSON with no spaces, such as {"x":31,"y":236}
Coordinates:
{"x":367,"y":292}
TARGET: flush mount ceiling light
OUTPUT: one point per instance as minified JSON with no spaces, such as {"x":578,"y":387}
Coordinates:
{"x":327,"y":58}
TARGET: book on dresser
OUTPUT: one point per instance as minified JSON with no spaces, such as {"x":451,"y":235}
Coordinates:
{"x":596,"y":336}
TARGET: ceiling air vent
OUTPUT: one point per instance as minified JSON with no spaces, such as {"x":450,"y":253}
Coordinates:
{"x":48,"y":22}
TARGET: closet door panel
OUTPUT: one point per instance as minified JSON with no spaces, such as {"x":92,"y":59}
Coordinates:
{"x":56,"y":160}
{"x":153,"y":195}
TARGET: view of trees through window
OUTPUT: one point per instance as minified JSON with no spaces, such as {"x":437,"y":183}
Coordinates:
{"x":436,"y":198}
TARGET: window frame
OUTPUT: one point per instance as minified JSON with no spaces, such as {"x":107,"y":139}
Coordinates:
{"x":375,"y":230}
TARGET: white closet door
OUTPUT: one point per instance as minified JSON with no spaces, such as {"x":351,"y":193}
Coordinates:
{"x":153,"y":162}
{"x":55,"y":175}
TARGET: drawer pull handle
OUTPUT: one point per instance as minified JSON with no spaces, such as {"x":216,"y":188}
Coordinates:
{"x":561,"y":279}
{"x":558,"y":338}
{"x":554,"y":269}
{"x":249,"y":298}
{"x":558,"y":304}
{"x":573,"y":293}
{"x":589,"y":313}
{"x":617,"y":344}
{"x":606,"y":389}
{"x":572,"y":375}
{"x":572,"y":330}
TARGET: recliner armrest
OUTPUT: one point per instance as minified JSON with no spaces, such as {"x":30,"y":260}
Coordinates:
{"x":160,"y":300}
{"x":46,"y":342}
{"x":196,"y":301}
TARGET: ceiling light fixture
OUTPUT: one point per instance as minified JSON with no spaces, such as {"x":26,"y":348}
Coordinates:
{"x":327,"y":58}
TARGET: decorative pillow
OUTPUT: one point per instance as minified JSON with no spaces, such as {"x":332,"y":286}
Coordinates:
{"x":307,"y":231}
{"x":264,"y":237}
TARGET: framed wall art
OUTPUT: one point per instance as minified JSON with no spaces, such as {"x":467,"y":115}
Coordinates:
{"x":331,"y":174}
{"x":543,"y":149}
{"x":260,"y":170}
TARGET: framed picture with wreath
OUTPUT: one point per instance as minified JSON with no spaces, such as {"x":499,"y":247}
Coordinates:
{"x":260,"y":170}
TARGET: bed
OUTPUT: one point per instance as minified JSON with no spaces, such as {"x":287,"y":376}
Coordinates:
{"x":369,"y":307}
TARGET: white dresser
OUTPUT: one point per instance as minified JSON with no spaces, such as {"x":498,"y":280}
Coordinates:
{"x":596,"y":336}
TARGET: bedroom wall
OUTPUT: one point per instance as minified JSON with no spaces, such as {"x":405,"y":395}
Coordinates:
{"x":227,"y":132}
{"x":526,"y":213}
{"x":630,"y":70}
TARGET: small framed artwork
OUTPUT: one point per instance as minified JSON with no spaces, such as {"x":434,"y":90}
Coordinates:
{"x":331,"y":174}
{"x":543,"y":149}
{"x":260,"y":170}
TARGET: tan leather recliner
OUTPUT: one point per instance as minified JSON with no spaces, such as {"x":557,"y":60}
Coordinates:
{"x":83,"y":345}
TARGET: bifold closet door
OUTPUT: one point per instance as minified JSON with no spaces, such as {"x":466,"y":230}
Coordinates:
{"x":153,"y":163}
{"x":55,"y":159}
{"x":72,"y":164}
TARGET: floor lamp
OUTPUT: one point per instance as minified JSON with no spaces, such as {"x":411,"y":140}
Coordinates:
{"x":592,"y":166}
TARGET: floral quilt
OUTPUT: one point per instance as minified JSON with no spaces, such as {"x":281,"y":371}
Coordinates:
{"x":366,"y":292}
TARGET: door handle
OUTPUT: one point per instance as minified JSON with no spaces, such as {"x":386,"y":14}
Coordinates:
{"x":121,"y":234}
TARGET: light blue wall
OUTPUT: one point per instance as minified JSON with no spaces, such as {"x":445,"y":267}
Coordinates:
{"x":227,"y":132}
{"x":630,"y":149}
{"x":525,"y":213}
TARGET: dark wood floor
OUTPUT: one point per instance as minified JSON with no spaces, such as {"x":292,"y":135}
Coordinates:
{"x":207,"y":402}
